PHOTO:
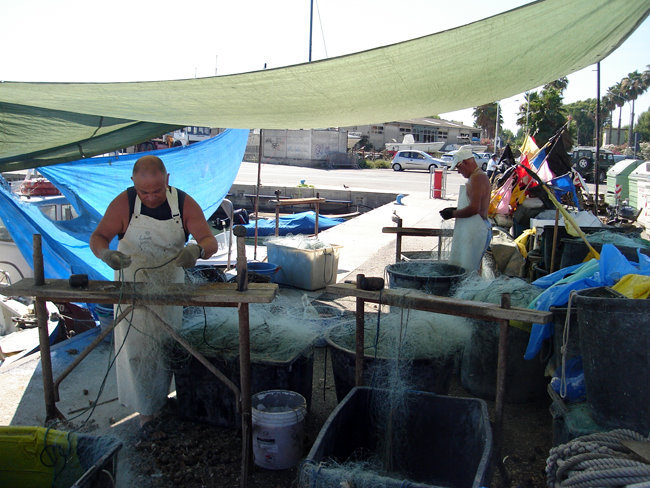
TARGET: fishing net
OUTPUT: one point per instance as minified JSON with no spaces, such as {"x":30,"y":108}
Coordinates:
{"x":616,"y":238}
{"x":298,"y":241}
{"x":480,"y":289}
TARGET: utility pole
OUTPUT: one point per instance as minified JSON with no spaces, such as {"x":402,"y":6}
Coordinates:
{"x":311,"y":25}
{"x":597,"y":162}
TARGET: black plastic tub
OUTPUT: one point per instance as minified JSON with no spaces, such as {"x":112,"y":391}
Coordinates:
{"x":448,"y":443}
{"x":615,"y":345}
{"x":525,"y":380}
{"x":426,"y":374}
{"x":202,"y":397}
{"x":574,"y":251}
{"x":433,"y":277}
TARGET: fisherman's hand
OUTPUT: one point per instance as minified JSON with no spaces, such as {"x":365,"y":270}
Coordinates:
{"x":115,"y":259}
{"x":447,"y":213}
{"x":188,"y":256}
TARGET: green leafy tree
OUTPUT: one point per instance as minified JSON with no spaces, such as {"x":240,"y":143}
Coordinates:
{"x":583,"y":114}
{"x":507,"y":137}
{"x":558,"y":85}
{"x":643,"y":126}
{"x":485,"y":117}
{"x":545,"y":112}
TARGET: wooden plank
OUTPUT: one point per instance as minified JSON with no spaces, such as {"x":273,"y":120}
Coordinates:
{"x":418,"y":300}
{"x":298,"y":201}
{"x":202,"y":295}
{"x":418,"y":232}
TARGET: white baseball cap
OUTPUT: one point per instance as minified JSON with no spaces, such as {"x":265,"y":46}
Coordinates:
{"x":461,"y":155}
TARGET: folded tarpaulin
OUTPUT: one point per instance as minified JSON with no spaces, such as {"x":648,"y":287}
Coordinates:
{"x":300,"y":223}
{"x":606,"y":271}
{"x":205,"y":170}
{"x":533,"y":44}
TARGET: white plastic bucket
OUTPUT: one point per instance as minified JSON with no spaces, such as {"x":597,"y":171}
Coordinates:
{"x":278,"y":418}
{"x":106,"y":317}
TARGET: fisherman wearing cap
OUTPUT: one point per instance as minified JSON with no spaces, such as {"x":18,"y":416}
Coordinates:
{"x":472,"y":231}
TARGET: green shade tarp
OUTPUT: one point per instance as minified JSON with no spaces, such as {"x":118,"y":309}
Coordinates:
{"x":468,"y":66}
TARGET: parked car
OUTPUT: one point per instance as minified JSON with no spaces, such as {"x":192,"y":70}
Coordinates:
{"x":481,"y":158}
{"x":413,"y":159}
{"x":583,"y":158}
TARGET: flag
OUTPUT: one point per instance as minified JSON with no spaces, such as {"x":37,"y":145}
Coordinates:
{"x":563,"y":185}
{"x":544,"y":172}
{"x":558,"y":159}
{"x":529,"y":148}
{"x":507,"y":157}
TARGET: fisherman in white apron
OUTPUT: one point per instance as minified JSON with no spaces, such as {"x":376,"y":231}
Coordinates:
{"x":152,"y":221}
{"x":472,"y":231}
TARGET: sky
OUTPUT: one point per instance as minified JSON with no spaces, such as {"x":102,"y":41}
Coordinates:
{"x":143,"y":40}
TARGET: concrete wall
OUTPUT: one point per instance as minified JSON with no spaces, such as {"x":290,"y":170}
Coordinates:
{"x":311,"y":148}
{"x":243,"y":196}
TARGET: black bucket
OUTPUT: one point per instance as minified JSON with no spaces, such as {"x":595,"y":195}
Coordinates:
{"x":575,"y":251}
{"x":433,"y":277}
{"x":525,"y":380}
{"x":615,"y":345}
{"x":426,"y":374}
{"x":445,"y":441}
{"x":204,"y":398}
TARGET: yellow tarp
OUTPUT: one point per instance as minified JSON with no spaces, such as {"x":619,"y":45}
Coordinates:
{"x":633,"y":286}
{"x":459,"y":68}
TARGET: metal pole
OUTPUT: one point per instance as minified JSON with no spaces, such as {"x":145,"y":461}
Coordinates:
{"x":317,"y":212}
{"x":597,"y":163}
{"x":311,"y":25}
{"x":502,"y":363}
{"x":496,"y":130}
{"x":51,"y":412}
{"x":244,"y":358}
{"x":358,"y":366}
{"x":257,"y":192}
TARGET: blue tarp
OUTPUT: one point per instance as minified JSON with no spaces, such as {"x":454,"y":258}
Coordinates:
{"x":205,"y":170}
{"x":606,"y":271}
{"x":300,"y":223}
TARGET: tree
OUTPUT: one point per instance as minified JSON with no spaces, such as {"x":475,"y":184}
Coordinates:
{"x":615,"y":92}
{"x":485,"y":117}
{"x":632,"y":86}
{"x":583,"y":113}
{"x":546,"y":113}
{"x":558,"y":85}
{"x":643,"y":126}
{"x":608,"y":105}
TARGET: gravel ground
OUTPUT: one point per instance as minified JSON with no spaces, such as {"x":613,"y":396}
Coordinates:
{"x":179,"y":452}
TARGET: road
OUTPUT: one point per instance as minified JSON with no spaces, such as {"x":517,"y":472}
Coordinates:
{"x":351,"y":179}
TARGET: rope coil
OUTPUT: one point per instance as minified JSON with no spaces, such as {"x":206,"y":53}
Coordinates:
{"x":597,"y":460}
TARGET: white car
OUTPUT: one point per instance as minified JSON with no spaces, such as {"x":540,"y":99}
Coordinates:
{"x":481,"y":158}
{"x":412,"y":159}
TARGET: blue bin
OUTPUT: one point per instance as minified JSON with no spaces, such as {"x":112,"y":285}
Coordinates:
{"x":267,"y":269}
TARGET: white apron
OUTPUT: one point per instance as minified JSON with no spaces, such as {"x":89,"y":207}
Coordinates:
{"x":472,"y":236}
{"x":143,"y":375}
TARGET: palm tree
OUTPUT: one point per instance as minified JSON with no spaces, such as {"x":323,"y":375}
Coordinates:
{"x":615,"y":92}
{"x":485,"y":117}
{"x":558,"y":85}
{"x":608,"y":105}
{"x":632,"y":86}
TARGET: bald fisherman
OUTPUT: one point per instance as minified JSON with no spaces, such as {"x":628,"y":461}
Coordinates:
{"x":153,"y":222}
{"x":472,"y":231}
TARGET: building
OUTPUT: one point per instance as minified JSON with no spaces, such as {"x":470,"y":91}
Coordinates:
{"x":422,"y":130}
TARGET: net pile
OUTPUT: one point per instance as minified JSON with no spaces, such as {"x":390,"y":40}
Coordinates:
{"x":279,"y":331}
{"x":616,"y":238}
{"x":299,"y":242}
